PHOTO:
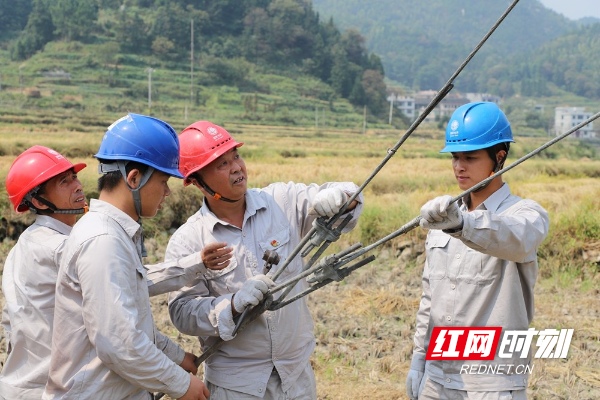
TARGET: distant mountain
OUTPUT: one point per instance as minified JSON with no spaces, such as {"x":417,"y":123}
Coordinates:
{"x":383,"y":22}
{"x":588,"y":21}
{"x":421,"y":42}
{"x":570,"y":62}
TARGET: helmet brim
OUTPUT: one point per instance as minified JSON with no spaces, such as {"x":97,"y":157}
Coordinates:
{"x":79,"y":166}
{"x":223,"y":150}
{"x":461,"y":148}
{"x":171,"y":171}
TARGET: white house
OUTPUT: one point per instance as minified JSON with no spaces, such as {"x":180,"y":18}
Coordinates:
{"x":565,"y":118}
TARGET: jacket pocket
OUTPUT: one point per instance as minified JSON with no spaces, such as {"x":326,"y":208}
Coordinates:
{"x":221,"y":281}
{"x":278,"y":241}
{"x":479,"y":268}
{"x":436,"y":246}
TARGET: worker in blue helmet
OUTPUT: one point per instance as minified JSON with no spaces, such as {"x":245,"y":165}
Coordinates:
{"x":481,"y":264}
{"x":479,"y":126}
{"x":105,"y":343}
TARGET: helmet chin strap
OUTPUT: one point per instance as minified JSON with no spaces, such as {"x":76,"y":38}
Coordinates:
{"x":214,"y":194}
{"x":52,"y":209}
{"x":135,"y":192}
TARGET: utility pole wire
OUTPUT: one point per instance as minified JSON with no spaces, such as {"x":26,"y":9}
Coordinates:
{"x":434,"y":102}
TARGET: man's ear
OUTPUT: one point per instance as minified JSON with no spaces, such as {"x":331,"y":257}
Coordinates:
{"x":38,"y":204}
{"x":500,"y":156}
{"x":133,"y":178}
{"x":193,"y":178}
{"x":194,"y":182}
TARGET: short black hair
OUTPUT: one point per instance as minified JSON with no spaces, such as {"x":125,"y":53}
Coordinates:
{"x":111,"y":180}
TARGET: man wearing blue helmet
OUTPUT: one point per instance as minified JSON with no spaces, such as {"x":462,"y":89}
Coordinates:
{"x":105,"y":344}
{"x":481,"y":263}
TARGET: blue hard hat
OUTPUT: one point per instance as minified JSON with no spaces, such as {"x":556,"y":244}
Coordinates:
{"x":143,"y":139}
{"x":476,"y":126}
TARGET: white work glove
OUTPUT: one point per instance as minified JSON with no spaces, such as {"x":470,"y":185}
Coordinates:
{"x":413,"y":381}
{"x":328,"y":202}
{"x":252,"y":292}
{"x":440,"y":214}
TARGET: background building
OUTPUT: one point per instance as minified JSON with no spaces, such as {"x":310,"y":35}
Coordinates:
{"x":566,"y":118}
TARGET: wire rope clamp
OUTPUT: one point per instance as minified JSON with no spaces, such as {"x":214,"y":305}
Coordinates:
{"x":326,"y":270}
{"x":322,"y":233}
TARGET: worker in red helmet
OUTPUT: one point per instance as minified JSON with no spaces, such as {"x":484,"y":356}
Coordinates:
{"x":43,"y":181}
{"x":235,"y":226}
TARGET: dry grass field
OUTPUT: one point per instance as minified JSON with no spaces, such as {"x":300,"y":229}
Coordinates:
{"x":365,"y":324}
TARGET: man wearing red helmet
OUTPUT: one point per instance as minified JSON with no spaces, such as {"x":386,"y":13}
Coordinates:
{"x":481,"y":263}
{"x":43,"y":181}
{"x":270,"y":358}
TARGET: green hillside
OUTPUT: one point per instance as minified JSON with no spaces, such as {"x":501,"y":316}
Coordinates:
{"x":79,"y":63}
{"x":266,"y":61}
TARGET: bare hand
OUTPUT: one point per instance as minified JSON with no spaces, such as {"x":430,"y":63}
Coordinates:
{"x":216,"y":255}
{"x":188,"y":363}
{"x":197,"y":390}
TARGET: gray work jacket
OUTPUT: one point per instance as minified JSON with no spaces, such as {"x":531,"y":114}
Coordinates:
{"x":481,"y":276}
{"x":276,"y":218}
{"x":105,"y":344}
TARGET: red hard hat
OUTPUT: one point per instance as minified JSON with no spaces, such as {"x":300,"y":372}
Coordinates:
{"x":200,"y":144}
{"x":33,"y":167}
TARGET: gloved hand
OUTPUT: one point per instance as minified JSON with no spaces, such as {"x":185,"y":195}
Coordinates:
{"x":252,"y":292}
{"x":328,"y":202}
{"x":440,"y":214}
{"x":413,"y":381}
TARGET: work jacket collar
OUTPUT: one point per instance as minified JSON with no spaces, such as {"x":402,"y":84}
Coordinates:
{"x":53,"y":223}
{"x":254,"y":202}
{"x":492,"y":203}
{"x":129,"y":225}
